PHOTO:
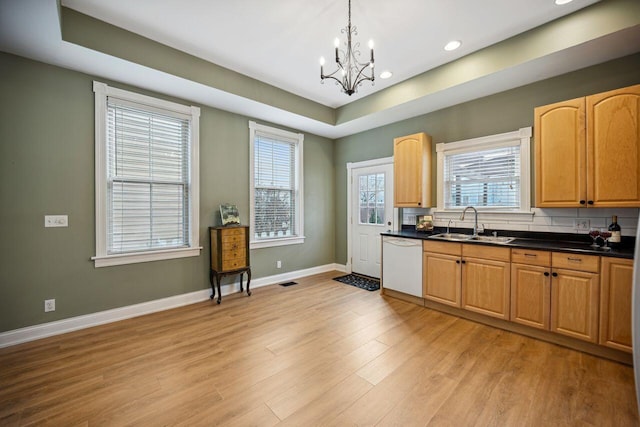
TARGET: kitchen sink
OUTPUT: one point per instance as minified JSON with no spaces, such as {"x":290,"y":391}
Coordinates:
{"x":452,"y":236}
{"x":493,"y":239}
{"x":460,"y":237}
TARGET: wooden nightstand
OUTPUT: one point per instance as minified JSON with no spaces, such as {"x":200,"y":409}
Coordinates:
{"x":229,"y":255}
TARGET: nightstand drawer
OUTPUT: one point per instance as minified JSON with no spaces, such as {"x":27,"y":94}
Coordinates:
{"x":233,"y":264}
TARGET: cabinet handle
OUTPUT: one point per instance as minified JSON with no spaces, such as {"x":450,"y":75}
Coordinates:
{"x":419,"y":203}
{"x":464,"y":262}
{"x":531,"y":255}
{"x":457,"y":261}
{"x":590,"y":202}
{"x":582,"y":202}
{"x":546,"y":273}
{"x":554,"y":274}
{"x":574,"y":259}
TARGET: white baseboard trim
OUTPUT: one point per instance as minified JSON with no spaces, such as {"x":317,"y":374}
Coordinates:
{"x":32,"y":333}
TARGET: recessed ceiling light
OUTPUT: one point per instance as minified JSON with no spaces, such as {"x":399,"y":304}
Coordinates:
{"x":386,"y":74}
{"x":561,"y":2}
{"x":453,"y":45}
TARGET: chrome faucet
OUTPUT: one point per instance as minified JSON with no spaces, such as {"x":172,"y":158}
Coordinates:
{"x":449,"y":226}
{"x":475,"y":224}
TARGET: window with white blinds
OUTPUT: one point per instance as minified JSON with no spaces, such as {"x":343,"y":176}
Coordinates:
{"x":147,"y":179}
{"x":486,"y":178}
{"x":146,"y":196}
{"x":490,"y":173}
{"x":276,"y":186}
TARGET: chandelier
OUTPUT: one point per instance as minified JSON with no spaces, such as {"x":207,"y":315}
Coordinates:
{"x":350,"y":72}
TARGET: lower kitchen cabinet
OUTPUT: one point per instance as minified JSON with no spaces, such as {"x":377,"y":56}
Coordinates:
{"x":486,"y":280}
{"x":585,"y":297}
{"x":615,"y":303}
{"x":531,"y":288}
{"x":575,"y":296}
{"x":531,"y":295}
{"x":442,"y":278}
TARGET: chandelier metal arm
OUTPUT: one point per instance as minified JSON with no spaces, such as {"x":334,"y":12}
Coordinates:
{"x":353,"y":71}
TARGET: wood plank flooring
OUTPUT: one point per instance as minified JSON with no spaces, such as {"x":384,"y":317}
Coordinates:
{"x":316,"y":353}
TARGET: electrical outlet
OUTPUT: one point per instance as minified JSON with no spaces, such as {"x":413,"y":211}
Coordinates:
{"x":581,"y":224}
{"x":278,"y":264}
{"x":56,"y":221}
{"x":49,"y":305}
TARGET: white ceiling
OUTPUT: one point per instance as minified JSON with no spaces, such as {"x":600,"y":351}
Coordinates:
{"x":279,"y":42}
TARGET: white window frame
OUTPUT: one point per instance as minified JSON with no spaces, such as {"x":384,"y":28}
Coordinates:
{"x":102,"y":258}
{"x":298,"y":139}
{"x":521,"y":137}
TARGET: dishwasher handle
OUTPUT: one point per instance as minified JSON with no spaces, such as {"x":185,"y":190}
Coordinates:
{"x":403,"y":242}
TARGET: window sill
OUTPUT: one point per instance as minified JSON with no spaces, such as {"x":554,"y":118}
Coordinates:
{"x":133,"y":258}
{"x":522,"y":216}
{"x":283,"y":241}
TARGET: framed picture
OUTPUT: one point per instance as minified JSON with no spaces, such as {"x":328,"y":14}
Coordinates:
{"x":424,"y":222}
{"x":229,"y":214}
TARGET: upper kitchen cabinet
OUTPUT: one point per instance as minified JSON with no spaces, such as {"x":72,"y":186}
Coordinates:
{"x":613,"y":148}
{"x":588,"y":151}
{"x":412,"y":171}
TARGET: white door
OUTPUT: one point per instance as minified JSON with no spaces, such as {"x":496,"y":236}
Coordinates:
{"x":372,"y":213}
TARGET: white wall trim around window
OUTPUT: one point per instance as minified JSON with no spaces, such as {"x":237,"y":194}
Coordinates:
{"x":103,"y":258}
{"x":521,"y":137}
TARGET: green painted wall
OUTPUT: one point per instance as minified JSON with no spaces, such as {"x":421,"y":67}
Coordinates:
{"x":502,"y":112}
{"x":47,"y":167}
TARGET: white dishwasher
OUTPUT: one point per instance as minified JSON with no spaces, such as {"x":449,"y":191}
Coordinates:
{"x":402,"y":265}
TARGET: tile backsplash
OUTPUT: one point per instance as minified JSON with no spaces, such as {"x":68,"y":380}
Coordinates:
{"x":555,"y":220}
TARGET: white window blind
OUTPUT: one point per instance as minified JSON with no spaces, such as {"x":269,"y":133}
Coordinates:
{"x":487,"y":178}
{"x":147,"y":179}
{"x":276,"y":192}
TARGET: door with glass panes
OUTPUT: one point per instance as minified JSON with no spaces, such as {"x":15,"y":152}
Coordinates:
{"x":372,"y":213}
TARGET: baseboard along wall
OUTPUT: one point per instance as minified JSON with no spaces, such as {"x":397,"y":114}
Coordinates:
{"x":32,"y":333}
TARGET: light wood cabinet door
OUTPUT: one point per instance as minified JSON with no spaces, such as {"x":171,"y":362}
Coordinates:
{"x":574,"y":304}
{"x":442,"y":279}
{"x":615,"y":303}
{"x":412,"y":171}
{"x":613,"y":148}
{"x":486,"y":286}
{"x":531,"y":295}
{"x":560,"y":154}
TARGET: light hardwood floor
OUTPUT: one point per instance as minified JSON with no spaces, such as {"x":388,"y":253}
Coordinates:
{"x":317,"y":353}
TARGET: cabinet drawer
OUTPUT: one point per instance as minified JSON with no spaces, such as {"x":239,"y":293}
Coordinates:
{"x":531,"y":257}
{"x":232,"y":232}
{"x":232,"y":239}
{"x":232,"y":246}
{"x":580,"y":262}
{"x":233,"y":264}
{"x":486,"y":252}
{"x":442,"y":247}
{"x":234,"y":254}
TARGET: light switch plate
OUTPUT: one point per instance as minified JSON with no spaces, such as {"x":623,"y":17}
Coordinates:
{"x":56,"y":220}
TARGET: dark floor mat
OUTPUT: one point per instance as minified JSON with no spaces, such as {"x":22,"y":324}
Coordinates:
{"x":362,"y":282}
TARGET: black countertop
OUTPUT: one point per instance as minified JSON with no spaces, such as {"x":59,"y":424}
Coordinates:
{"x":558,"y":242}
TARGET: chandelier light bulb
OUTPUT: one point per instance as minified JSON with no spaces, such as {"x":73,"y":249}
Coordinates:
{"x":370,"y":44}
{"x":321,"y":60}
{"x":336,"y":42}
